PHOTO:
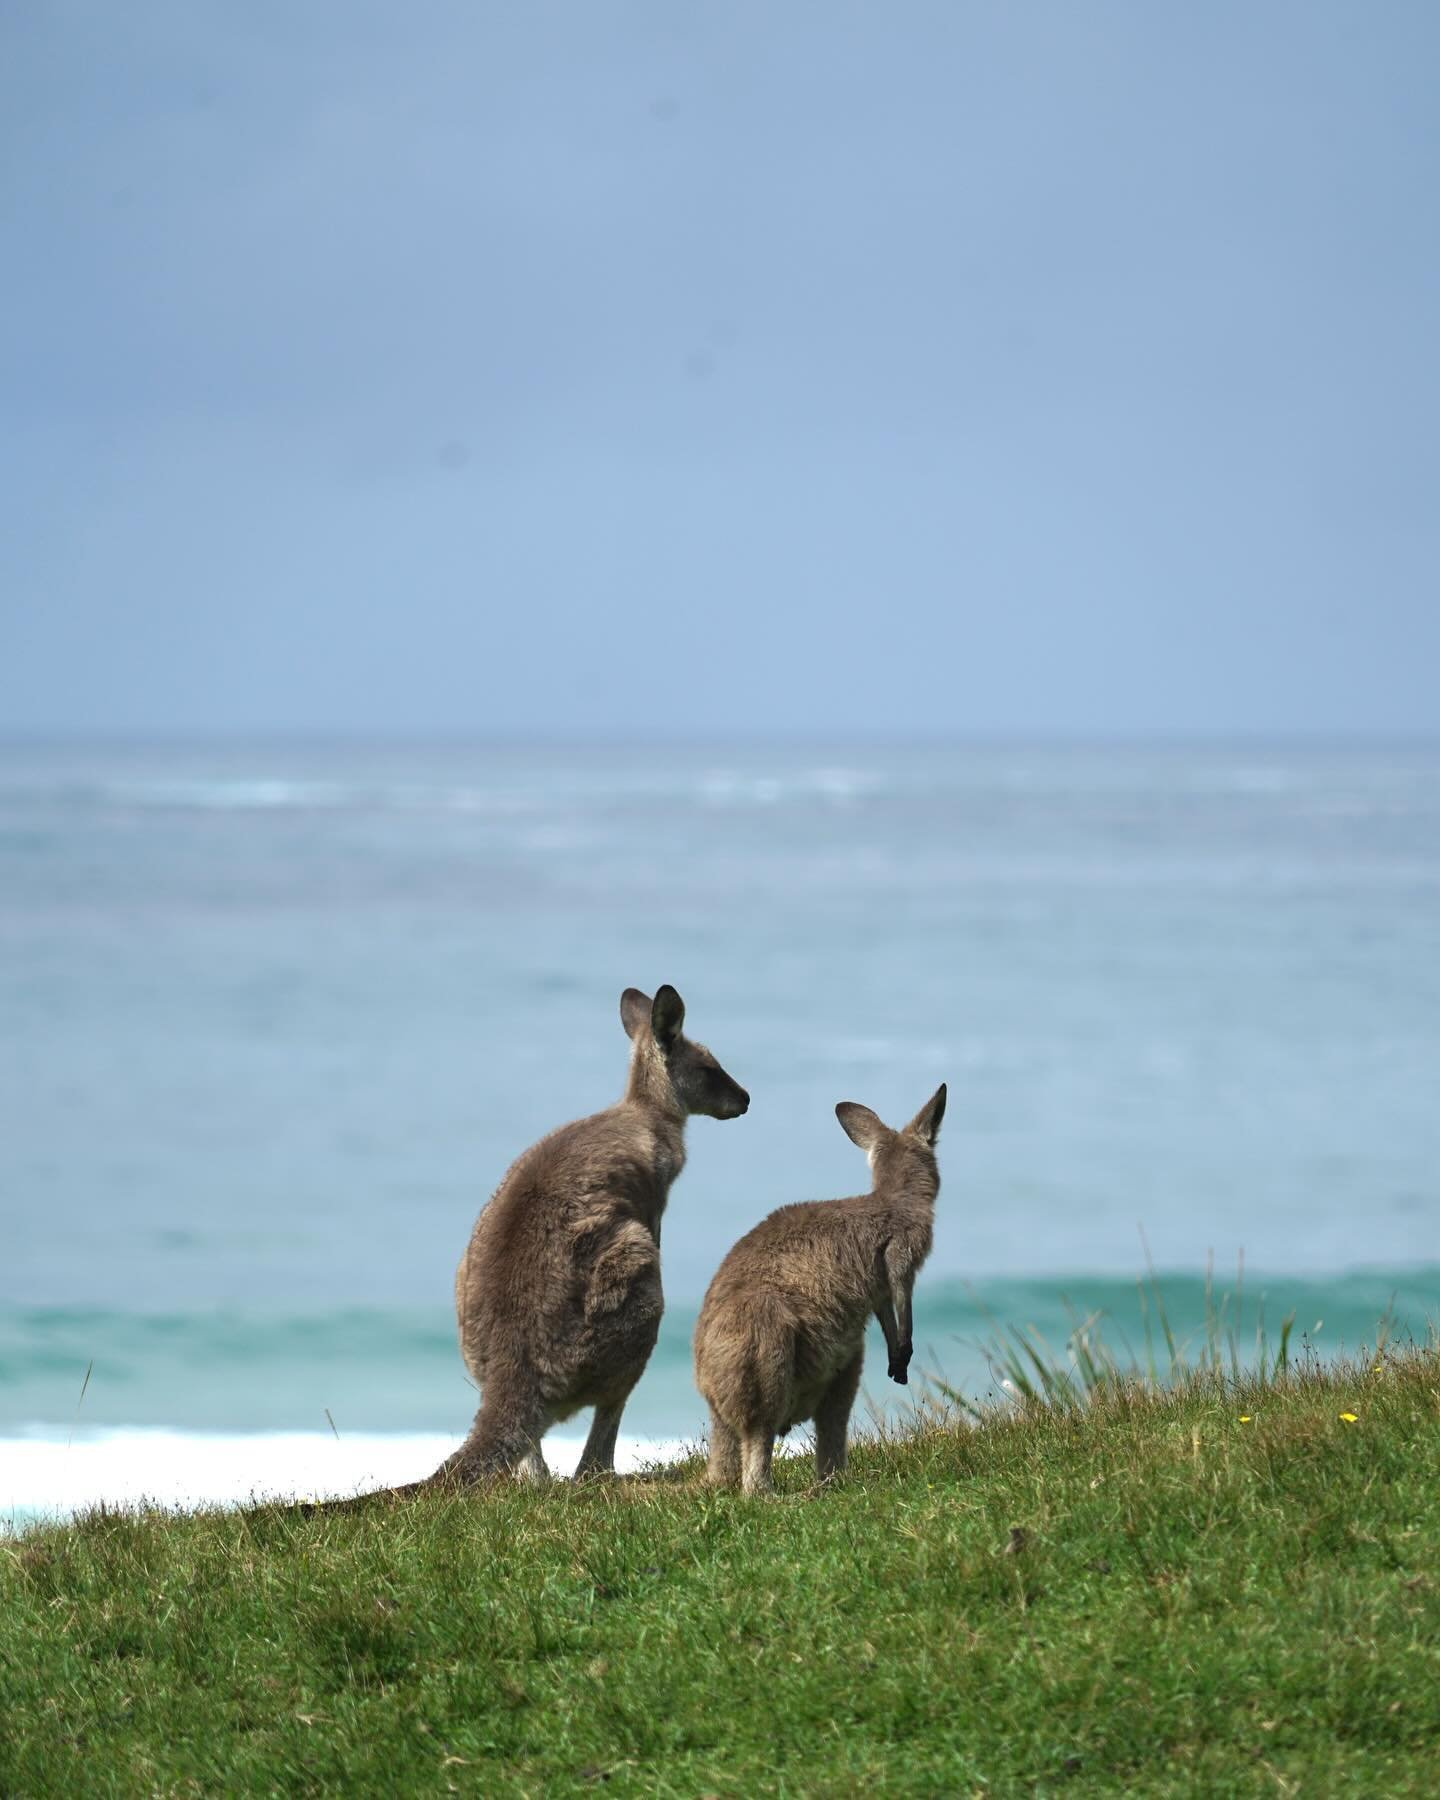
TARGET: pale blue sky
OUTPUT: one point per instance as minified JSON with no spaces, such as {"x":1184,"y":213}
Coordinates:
{"x":956,"y":368}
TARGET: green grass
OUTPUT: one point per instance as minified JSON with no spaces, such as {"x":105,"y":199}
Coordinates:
{"x":1138,"y":1593}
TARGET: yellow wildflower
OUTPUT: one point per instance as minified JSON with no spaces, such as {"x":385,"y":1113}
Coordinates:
{"x":1245,"y":1418}
{"x":1349,"y":1418}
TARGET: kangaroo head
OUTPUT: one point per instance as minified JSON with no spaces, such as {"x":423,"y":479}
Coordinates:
{"x":668,"y":1065}
{"x":897,"y":1158}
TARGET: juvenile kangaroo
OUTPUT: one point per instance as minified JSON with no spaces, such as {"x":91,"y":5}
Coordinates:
{"x":558,"y":1293}
{"x":781,"y":1334}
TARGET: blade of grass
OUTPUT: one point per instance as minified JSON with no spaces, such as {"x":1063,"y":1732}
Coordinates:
{"x":84,"y":1385}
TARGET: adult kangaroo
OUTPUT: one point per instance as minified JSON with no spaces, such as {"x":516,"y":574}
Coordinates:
{"x":558,"y":1293}
{"x":781,"y":1333}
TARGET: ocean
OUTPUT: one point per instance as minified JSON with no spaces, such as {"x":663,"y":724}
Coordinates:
{"x":276,"y":1017}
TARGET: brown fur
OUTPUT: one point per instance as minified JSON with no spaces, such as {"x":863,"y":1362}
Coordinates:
{"x":781,"y":1334}
{"x":558,"y":1294}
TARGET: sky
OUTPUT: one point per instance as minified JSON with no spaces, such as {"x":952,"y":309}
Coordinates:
{"x":658,"y":369}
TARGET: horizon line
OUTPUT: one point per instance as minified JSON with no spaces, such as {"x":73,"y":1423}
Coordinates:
{"x":617,"y":738}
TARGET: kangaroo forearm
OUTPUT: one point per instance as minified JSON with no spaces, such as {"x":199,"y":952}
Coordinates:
{"x":901,"y":1348}
{"x":903,"y":1323}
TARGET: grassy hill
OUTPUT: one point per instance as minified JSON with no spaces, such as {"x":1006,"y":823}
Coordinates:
{"x":1229,"y":1588}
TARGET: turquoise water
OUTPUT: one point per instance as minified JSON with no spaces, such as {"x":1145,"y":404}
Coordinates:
{"x":277,"y":1018}
{"x":380,"y":1369}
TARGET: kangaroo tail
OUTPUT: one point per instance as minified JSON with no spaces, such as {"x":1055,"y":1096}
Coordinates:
{"x":500,"y":1439}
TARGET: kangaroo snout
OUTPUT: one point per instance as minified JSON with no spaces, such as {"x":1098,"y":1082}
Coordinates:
{"x":726,"y":1099}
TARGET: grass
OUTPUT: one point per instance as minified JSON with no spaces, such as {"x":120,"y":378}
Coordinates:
{"x":1223,"y":1587}
{"x":1029,"y":1370}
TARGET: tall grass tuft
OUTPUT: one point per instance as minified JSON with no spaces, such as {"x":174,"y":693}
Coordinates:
{"x":1031,"y":1373}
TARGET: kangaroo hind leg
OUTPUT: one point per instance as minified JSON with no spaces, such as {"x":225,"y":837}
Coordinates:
{"x":598,"y":1456}
{"x":532,"y":1468}
{"x":756,"y":1450}
{"x":723,"y":1469}
{"x":832,"y":1420}
{"x":504,"y":1440}
{"x":623,"y":1306}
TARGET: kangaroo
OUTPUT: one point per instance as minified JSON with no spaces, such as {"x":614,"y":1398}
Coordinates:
{"x":558,"y":1295}
{"x":781,"y":1333}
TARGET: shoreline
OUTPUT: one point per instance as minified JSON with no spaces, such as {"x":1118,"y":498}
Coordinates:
{"x":50,"y":1472}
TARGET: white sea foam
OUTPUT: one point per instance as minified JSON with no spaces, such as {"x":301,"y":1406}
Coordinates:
{"x":230,"y":794}
{"x":266,"y":794}
{"x":48,"y":1472}
{"x":840,"y":787}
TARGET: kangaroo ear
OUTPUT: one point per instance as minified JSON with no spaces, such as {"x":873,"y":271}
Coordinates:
{"x":667,"y":1016}
{"x":860,"y":1125}
{"x":926,"y":1123}
{"x":634,"y":1010}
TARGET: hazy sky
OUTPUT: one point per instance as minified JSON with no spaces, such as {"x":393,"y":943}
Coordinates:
{"x":944,"y":368}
